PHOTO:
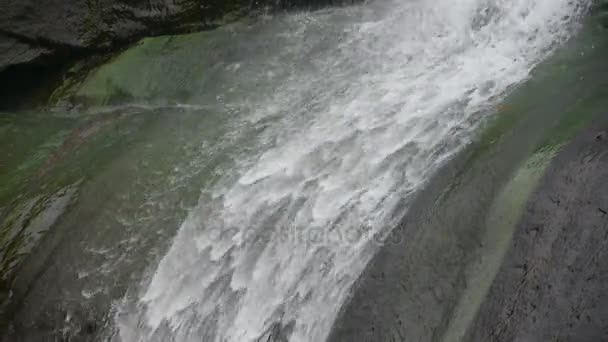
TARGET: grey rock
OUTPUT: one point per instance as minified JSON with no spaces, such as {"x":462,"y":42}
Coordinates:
{"x":562,"y":294}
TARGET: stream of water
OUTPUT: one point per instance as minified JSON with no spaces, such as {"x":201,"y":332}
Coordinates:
{"x":365,"y":103}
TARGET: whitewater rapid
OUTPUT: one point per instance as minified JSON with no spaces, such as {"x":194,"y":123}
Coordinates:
{"x":389,"y":91}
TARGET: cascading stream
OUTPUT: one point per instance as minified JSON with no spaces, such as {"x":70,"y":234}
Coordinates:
{"x":355,"y":132}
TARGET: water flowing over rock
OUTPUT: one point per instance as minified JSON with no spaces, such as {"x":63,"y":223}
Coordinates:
{"x":349,"y":174}
{"x":40,"y":37}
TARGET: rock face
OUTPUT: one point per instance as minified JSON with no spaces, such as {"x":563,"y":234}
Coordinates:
{"x":31,"y":31}
{"x":38,"y":37}
{"x":552,"y":286}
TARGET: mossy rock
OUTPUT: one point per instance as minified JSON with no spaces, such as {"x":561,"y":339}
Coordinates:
{"x":157,"y":70}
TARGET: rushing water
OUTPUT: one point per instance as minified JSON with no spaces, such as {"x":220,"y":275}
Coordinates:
{"x":371,"y":100}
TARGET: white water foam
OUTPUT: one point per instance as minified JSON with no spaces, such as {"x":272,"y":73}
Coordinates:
{"x":377,"y":110}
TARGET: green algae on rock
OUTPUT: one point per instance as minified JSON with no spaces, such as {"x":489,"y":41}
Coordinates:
{"x":49,"y":157}
{"x":155,"y":70}
{"x":39,"y":41}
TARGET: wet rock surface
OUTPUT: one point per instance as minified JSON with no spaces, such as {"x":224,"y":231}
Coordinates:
{"x":40,"y":39}
{"x":433,"y":260}
{"x":553,"y":284}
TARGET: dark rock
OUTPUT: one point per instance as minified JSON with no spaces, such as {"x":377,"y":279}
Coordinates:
{"x":51,"y":34}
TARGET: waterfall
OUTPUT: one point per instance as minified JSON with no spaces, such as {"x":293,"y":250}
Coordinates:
{"x":380,"y":96}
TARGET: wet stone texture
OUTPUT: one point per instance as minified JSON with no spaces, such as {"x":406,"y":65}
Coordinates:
{"x":40,"y":39}
{"x":553,"y":284}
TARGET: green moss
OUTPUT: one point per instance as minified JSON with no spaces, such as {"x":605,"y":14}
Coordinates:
{"x":543,"y":95}
{"x":27,"y":141}
{"x":577,"y":117}
{"x":49,"y":160}
{"x":156,"y":70}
